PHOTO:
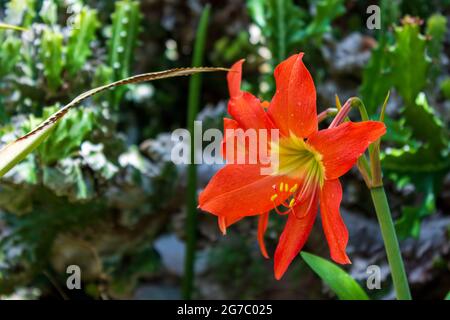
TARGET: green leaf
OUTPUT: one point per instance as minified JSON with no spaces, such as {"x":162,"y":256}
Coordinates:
{"x":423,"y":160}
{"x":390,"y":14}
{"x":279,"y":20}
{"x":285,"y":25}
{"x":447,"y":297}
{"x":80,"y":38}
{"x":409,"y":72}
{"x":68,"y":135}
{"x":408,"y":225}
{"x":325,"y":12}
{"x":415,"y":165}
{"x":445,"y":88}
{"x":412,"y":160}
{"x":376,"y":79}
{"x":20,"y":12}
{"x":51,"y":54}
{"x":256,"y":11}
{"x":436,"y":28}
{"x":398,"y":132}
{"x":9,"y":54}
{"x":126,"y":21}
{"x":49,"y":12}
{"x":340,"y":282}
{"x":426,"y":126}
{"x":16,"y":151}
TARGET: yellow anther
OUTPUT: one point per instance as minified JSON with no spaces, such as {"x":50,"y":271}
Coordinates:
{"x":281,"y":186}
{"x":286,"y":187}
{"x":294,"y":188}
{"x":272,"y":198}
{"x":291,"y":203}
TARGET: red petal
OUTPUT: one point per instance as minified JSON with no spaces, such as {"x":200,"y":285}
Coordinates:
{"x":234,"y":79}
{"x":244,"y":107}
{"x":334,"y":227}
{"x":247,"y":110}
{"x":240,"y":190}
{"x":224,"y":223}
{"x":262,"y":227}
{"x":230,"y":124}
{"x":293,"y":108}
{"x":251,"y":149}
{"x":343,"y":145}
{"x":294,"y":236}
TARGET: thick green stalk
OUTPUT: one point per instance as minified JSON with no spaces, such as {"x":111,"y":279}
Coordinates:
{"x":391,"y":243}
{"x":193,"y":106}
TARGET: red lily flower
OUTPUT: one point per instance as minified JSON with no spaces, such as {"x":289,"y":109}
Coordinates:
{"x":310,"y":164}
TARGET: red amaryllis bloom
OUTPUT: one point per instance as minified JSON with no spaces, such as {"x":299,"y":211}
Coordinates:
{"x":310,"y":164}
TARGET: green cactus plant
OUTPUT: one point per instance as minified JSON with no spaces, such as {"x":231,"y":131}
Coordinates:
{"x":125,"y":28}
{"x":81,"y":36}
{"x":51,"y":53}
{"x":20,"y":12}
{"x":9,"y":54}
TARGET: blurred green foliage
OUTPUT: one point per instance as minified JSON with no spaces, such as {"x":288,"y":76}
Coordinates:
{"x":81,"y":36}
{"x":419,"y":154}
{"x":66,"y":137}
{"x":287,"y":27}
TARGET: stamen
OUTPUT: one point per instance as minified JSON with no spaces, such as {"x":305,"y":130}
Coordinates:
{"x":342,"y":114}
{"x":291,"y":203}
{"x":272,"y":198}
{"x":294,"y":188}
{"x":281,"y":186}
{"x":286,"y":187}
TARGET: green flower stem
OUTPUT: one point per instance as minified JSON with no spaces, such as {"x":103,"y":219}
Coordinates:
{"x":191,"y":197}
{"x":391,"y":243}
